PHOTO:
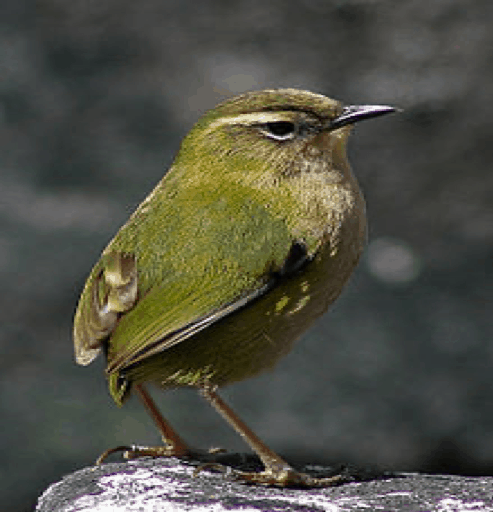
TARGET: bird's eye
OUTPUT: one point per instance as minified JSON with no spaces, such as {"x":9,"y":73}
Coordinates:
{"x":279,"y":130}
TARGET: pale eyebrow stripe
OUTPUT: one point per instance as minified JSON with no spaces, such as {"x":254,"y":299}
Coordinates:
{"x":249,"y":119}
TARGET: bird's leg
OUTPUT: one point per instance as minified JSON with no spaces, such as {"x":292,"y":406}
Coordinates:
{"x":173,"y":443}
{"x":277,"y":471}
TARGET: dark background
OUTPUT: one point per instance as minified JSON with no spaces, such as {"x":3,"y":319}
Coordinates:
{"x":95,"y":96}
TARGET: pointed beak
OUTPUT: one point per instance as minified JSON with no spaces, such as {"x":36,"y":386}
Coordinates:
{"x":354,"y":113}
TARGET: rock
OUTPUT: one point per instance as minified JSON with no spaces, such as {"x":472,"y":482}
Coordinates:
{"x":169,"y":484}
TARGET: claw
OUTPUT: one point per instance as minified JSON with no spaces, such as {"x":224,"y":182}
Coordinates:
{"x":211,"y":465}
{"x":216,"y":450}
{"x":110,"y":451}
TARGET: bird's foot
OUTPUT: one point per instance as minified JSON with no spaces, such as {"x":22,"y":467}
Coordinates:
{"x":131,"y":452}
{"x":135,"y":452}
{"x":287,"y":477}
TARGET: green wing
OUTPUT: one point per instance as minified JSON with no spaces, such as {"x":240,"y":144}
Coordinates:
{"x":147,"y":330}
{"x":169,"y":274}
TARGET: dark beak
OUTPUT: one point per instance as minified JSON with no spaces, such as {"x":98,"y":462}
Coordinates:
{"x":354,"y":113}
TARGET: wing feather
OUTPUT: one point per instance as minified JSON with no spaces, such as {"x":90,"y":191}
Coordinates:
{"x":157,"y":335}
{"x":164,"y":278}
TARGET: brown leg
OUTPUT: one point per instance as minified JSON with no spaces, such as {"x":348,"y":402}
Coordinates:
{"x":174,"y":444}
{"x":173,"y":441}
{"x":277,"y":471}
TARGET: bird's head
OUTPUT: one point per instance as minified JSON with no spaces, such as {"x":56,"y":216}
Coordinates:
{"x":280,"y":131}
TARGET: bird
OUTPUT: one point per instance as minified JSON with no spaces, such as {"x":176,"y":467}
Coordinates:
{"x":248,"y":238}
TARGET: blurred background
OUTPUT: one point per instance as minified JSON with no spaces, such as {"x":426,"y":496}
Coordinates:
{"x":94,"y":99}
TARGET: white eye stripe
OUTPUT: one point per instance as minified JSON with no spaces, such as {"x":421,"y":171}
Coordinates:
{"x":250,"y":119}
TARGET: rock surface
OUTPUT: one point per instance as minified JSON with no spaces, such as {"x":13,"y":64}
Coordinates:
{"x":169,"y":484}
